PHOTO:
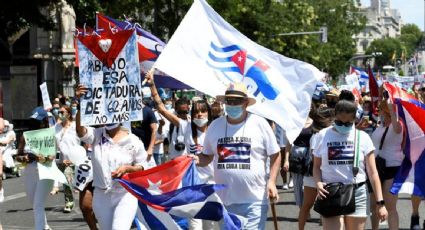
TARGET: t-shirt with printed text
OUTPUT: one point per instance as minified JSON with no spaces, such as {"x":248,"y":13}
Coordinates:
{"x":240,"y":154}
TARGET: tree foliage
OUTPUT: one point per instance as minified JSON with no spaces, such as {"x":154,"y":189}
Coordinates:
{"x":396,"y":49}
{"x":260,"y":20}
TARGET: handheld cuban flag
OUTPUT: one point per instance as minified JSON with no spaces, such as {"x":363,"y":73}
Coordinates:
{"x":374,"y":91}
{"x":410,"y":179}
{"x":172,"y":191}
{"x":149,"y":48}
{"x":208,"y":54}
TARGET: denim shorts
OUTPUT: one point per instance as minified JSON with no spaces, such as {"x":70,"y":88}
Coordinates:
{"x":362,"y":202}
{"x":255,"y":214}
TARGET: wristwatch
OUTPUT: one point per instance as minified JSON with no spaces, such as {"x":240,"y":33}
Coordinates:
{"x":380,"y":202}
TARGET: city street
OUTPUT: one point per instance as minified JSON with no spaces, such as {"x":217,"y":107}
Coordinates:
{"x":16,"y":211}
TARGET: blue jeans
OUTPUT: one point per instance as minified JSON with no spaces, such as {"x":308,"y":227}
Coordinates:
{"x":254,"y":213}
{"x":158,"y":158}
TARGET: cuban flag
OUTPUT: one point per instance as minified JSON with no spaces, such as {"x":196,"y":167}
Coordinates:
{"x":363,"y":78}
{"x":170,"y":193}
{"x":149,"y":47}
{"x":209,"y":54}
{"x":410,"y":179}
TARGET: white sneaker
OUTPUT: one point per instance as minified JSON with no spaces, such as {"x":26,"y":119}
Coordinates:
{"x":285,"y":186}
{"x":291,"y":183}
{"x":1,"y":195}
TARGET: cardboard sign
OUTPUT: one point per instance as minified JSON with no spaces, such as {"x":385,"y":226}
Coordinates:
{"x":41,"y":141}
{"x":109,"y":68}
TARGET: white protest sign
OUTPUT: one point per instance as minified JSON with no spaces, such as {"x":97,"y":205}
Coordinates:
{"x":45,"y":96}
{"x":50,"y":171}
{"x":109,"y":68}
{"x":83,"y":174}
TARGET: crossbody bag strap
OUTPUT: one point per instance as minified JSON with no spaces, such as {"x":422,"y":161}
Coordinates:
{"x":356,"y":156}
{"x":383,"y":138}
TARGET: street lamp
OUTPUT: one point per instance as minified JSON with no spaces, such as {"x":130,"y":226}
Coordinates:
{"x":372,"y":55}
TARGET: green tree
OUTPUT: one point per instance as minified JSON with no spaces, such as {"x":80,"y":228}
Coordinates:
{"x":391,"y":48}
{"x":410,"y":38}
{"x":17,"y":16}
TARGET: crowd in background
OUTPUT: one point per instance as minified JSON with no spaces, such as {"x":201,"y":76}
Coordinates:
{"x":174,"y":126}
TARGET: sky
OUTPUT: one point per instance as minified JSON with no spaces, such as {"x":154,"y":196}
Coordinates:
{"x":412,"y":11}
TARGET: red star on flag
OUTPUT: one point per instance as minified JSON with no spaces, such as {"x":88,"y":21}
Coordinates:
{"x":239,"y":59}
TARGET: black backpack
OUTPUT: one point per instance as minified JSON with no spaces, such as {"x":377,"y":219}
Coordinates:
{"x":300,"y":160}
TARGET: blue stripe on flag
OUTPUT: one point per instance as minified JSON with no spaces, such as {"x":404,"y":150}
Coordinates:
{"x":219,"y":59}
{"x":151,"y":220}
{"x":225,"y":69}
{"x":225,"y":49}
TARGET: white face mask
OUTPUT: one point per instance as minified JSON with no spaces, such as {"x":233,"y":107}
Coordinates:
{"x":112,"y":126}
{"x":200,"y":122}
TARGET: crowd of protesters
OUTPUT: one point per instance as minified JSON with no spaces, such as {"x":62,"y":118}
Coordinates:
{"x":202,"y":128}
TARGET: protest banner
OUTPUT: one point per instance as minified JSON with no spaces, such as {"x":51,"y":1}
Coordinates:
{"x":109,"y":68}
{"x":45,"y":96}
{"x":41,"y":141}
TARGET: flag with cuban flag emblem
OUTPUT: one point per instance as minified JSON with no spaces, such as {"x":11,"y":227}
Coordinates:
{"x":170,"y":193}
{"x":148,"y":45}
{"x":208,"y":54}
{"x":410,"y":178}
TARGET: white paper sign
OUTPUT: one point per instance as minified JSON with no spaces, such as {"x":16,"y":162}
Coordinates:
{"x":83,"y":174}
{"x":45,"y":95}
{"x":51,"y":172}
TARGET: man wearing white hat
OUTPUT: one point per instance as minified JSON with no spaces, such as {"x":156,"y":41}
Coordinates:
{"x":240,"y":143}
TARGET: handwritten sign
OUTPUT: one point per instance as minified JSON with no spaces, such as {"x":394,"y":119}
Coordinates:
{"x":41,"y":141}
{"x":112,"y":78}
{"x":83,"y":174}
{"x":45,"y":95}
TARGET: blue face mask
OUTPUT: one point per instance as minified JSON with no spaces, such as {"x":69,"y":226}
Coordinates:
{"x":74,"y":111}
{"x":168,"y":106}
{"x":343,"y":129}
{"x":68,"y":103}
{"x":55,"y":112}
{"x":234,"y":111}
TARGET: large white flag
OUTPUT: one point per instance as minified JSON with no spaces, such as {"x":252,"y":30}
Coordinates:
{"x":208,"y":54}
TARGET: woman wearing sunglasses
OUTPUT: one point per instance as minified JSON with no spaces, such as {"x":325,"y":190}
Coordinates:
{"x":333,"y":163}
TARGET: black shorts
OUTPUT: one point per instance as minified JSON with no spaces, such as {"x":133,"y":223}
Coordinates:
{"x":389,"y":173}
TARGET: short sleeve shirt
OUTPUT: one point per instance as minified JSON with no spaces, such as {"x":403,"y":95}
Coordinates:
{"x":337,"y":152}
{"x":240,"y":155}
{"x":108,"y":156}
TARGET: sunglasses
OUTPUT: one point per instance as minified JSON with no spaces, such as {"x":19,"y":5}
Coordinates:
{"x":183,"y":112}
{"x":234,"y":101}
{"x":340,"y":123}
{"x":61,"y":112}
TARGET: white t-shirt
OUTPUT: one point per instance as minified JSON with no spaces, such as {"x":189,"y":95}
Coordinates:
{"x":337,"y":152}
{"x":173,"y":153}
{"x":108,"y":156}
{"x":206,"y":173}
{"x":66,"y":140}
{"x":159,"y":148}
{"x":240,"y":154}
{"x":391,"y":149}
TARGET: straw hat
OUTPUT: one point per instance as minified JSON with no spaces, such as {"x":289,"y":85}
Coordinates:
{"x":236,"y":89}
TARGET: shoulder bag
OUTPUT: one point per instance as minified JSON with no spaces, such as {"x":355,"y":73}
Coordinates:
{"x":341,"y":198}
